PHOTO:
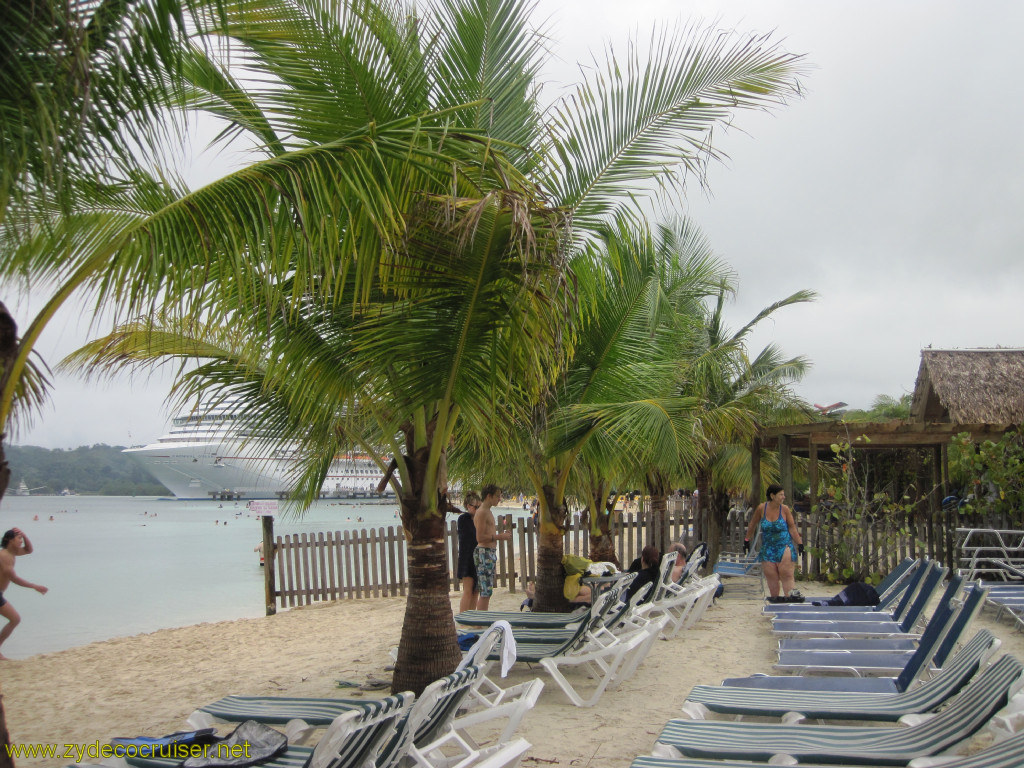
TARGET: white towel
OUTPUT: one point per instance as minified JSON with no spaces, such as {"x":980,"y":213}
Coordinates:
{"x":508,"y":647}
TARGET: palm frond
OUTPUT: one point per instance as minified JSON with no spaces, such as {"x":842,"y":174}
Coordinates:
{"x":649,"y":119}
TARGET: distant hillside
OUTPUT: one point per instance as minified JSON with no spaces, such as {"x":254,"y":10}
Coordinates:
{"x":100,"y":470}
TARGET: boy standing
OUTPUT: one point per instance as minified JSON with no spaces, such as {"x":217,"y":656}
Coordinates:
{"x":14,"y":543}
{"x":485,"y":556}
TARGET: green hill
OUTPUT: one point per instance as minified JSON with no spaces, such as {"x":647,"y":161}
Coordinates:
{"x":100,"y":470}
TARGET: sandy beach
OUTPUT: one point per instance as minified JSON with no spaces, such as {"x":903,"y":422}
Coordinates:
{"x":148,"y":684}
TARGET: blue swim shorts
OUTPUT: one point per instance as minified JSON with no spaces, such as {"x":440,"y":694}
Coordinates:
{"x":486,"y":561}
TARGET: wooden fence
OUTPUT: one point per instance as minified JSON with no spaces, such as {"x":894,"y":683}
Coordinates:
{"x":337,"y":565}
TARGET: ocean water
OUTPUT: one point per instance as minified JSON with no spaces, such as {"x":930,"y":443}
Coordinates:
{"x":119,"y":566}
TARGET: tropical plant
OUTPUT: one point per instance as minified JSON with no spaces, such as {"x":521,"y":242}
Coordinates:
{"x":990,"y":473}
{"x":737,"y":393}
{"x":883,"y":408}
{"x":82,"y":86}
{"x":395,"y":265}
{"x":624,"y":421}
{"x":855,"y":525}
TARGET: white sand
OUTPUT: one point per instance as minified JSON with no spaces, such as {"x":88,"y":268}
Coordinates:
{"x":148,"y":684}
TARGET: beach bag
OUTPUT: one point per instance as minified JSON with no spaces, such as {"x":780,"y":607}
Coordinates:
{"x":251,"y":743}
{"x":857,"y":593}
{"x":176,"y":743}
{"x":467,"y":640}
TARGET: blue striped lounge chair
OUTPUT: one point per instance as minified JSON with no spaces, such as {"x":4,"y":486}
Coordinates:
{"x":1005,"y":754}
{"x":890,"y":590}
{"x":797,"y":706}
{"x":882,"y":661}
{"x":966,"y":714}
{"x":864,"y":625}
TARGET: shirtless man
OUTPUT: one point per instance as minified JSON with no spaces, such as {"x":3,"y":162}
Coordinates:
{"x":680,"y":564}
{"x":14,"y":543}
{"x":485,"y":556}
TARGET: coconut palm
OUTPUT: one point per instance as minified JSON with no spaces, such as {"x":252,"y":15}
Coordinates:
{"x":81,"y":89}
{"x":746,"y":392}
{"x":342,"y":266}
{"x":631,"y":425}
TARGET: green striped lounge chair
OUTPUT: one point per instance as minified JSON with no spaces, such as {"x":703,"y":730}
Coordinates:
{"x":1005,"y":754}
{"x":531,"y":619}
{"x":705,"y":701}
{"x":357,"y":738}
{"x":969,"y":712}
{"x":609,"y":658}
{"x":434,"y":712}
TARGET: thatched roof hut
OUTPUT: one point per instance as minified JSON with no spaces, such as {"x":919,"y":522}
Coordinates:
{"x":970,"y":386}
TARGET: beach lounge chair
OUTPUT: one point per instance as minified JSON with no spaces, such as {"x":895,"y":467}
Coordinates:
{"x":885,"y":662}
{"x":966,"y":714}
{"x":685,"y":608}
{"x":890,"y":590}
{"x":973,"y":601}
{"x":612,"y":616}
{"x":531,"y":619}
{"x":797,"y":706}
{"x":903,"y":602}
{"x":479,"y":701}
{"x":916,"y":665}
{"x":865,"y":625}
{"x":360,"y":737}
{"x":1005,"y":754}
{"x":732,"y":564}
{"x":611,"y":658}
{"x":430,"y":729}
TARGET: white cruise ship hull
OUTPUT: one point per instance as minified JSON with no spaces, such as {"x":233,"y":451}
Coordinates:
{"x":203,"y":457}
{"x":212,"y":470}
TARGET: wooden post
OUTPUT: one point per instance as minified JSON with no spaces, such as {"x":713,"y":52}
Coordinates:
{"x":755,"y":472}
{"x":938,"y":494}
{"x":812,"y":455}
{"x":269,"y":561}
{"x":786,"y":467}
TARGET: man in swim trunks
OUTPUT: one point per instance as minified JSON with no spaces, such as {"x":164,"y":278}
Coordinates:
{"x":14,"y":543}
{"x":485,"y":556}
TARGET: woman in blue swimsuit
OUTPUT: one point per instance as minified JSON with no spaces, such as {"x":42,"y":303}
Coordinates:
{"x":780,"y":542}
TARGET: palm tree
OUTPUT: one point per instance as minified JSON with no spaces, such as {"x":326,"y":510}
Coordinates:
{"x":737,"y":393}
{"x":81,"y":88}
{"x":342,"y":264}
{"x":622,"y":394}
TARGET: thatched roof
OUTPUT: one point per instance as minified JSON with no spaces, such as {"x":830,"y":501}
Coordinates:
{"x":970,"y":386}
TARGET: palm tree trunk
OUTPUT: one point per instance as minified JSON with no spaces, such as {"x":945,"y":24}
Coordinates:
{"x":602,"y":543}
{"x":715,"y":523}
{"x":550,"y":548}
{"x":658,"y":524}
{"x":6,"y":761}
{"x":8,"y":352}
{"x":428,"y":648}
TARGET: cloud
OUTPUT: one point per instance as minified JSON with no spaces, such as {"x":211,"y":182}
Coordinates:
{"x":893,"y":188}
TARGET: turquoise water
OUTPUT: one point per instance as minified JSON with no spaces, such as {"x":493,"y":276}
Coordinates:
{"x":122,"y":565}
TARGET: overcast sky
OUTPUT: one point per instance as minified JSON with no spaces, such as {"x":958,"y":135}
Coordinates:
{"x":894,"y":188}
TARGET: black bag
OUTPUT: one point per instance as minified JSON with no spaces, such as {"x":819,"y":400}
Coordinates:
{"x":857,"y":593}
{"x":249,"y":744}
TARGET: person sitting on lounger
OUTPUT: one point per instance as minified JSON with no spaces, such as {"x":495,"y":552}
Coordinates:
{"x":647,"y":568}
{"x":680,"y":564}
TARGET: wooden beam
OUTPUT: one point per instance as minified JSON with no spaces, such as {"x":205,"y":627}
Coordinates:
{"x":755,"y":472}
{"x":786,"y":467}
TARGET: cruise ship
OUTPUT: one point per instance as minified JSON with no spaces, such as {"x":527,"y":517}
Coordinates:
{"x":205,"y":456}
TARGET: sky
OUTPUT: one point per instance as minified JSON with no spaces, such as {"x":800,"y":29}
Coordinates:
{"x":893,"y":188}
